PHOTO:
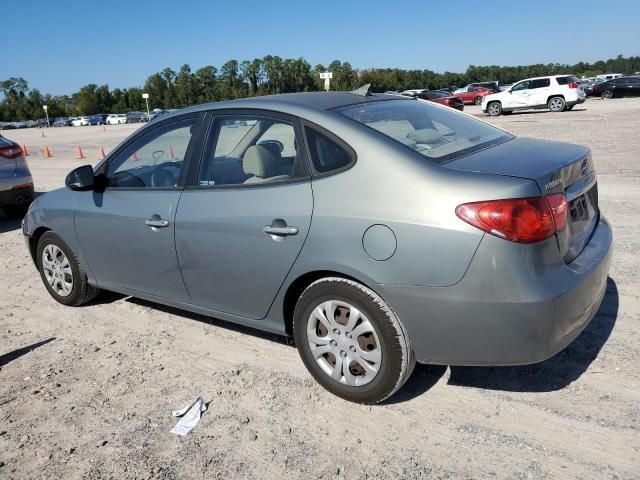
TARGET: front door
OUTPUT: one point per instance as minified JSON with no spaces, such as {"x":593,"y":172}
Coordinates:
{"x":127,"y":232}
{"x":518,"y":96}
{"x":241,"y":226}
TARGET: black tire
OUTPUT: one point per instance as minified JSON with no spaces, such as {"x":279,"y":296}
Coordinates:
{"x":556,"y":104}
{"x":494,"y":109}
{"x":16,"y":211}
{"x":477,"y":100}
{"x":397,"y":358}
{"x":81,"y":292}
{"x":607,"y":94}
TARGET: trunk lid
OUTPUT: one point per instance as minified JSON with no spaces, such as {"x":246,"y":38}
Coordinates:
{"x":555,"y":167}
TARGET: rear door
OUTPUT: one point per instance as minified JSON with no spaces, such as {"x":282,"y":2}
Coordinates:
{"x":539,"y":90}
{"x":245,"y":216}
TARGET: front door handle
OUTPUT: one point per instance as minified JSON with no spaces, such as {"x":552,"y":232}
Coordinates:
{"x":280,"y":231}
{"x":156,"y":222}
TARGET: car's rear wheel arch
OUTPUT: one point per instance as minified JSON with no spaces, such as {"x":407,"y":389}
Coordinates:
{"x":299,"y":285}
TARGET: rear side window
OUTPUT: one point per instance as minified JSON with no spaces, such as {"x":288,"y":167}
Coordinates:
{"x":327,"y":154}
{"x":566,"y":80}
{"x":539,"y":83}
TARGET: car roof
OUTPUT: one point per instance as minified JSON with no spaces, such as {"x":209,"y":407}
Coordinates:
{"x":312,"y":100}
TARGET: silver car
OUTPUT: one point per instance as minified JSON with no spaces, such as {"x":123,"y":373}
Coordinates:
{"x":376,"y":230}
{"x":16,"y":184}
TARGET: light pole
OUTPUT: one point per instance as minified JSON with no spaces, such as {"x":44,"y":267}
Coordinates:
{"x":146,"y":99}
{"x":46,"y":112}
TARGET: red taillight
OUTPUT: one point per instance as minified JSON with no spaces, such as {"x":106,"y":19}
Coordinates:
{"x":574,"y":85}
{"x":10,"y":152}
{"x":523,"y":220}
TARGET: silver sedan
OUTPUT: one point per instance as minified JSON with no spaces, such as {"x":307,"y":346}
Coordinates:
{"x":376,"y":230}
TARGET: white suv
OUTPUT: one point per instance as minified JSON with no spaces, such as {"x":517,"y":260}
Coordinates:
{"x":557,"y":93}
{"x":115,"y":119}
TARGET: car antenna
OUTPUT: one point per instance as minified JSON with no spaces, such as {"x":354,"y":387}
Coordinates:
{"x":364,"y":91}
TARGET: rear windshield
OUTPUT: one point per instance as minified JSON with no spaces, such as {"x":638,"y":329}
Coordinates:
{"x":566,"y":80}
{"x":438,"y":133}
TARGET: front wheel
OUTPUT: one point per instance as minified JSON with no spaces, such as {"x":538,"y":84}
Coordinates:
{"x":494,"y":109}
{"x":477,"y":100}
{"x":607,"y":95}
{"x":61,"y":273}
{"x":556,"y":104}
{"x":351,"y":341}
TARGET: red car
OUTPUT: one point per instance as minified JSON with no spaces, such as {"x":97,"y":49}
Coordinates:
{"x":472,"y":95}
{"x":442,"y":98}
{"x":437,"y":97}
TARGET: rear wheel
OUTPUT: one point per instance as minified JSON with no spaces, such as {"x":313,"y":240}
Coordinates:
{"x":556,"y":104}
{"x":61,"y":273}
{"x":494,"y":109}
{"x":351,"y":341}
{"x":477,"y":100}
{"x":607,"y":94}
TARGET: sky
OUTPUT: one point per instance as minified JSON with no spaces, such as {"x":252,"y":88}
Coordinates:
{"x":59,"y":46}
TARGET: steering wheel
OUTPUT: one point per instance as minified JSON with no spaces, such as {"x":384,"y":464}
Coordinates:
{"x":163,"y":176}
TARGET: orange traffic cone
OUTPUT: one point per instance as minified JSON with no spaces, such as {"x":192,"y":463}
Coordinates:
{"x":101,"y":153}
{"x":47,"y":153}
{"x":79,"y":154}
{"x":134,"y":157}
{"x":25,"y":153}
{"x":170,"y":153}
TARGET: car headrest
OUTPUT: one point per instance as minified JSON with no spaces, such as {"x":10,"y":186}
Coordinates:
{"x":259,"y":162}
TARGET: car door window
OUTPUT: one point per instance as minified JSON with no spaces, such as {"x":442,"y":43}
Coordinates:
{"x":251,"y":150}
{"x":539,"y":83}
{"x":327,"y":154}
{"x":155,"y":160}
{"x":520,"y":86}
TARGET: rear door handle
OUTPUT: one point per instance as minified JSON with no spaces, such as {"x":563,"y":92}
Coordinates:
{"x":156,"y":222}
{"x":280,"y":231}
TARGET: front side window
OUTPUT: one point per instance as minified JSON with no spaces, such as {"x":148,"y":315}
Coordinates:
{"x":155,"y":160}
{"x":247,"y":149}
{"x":439,"y":134}
{"x":521,"y":86}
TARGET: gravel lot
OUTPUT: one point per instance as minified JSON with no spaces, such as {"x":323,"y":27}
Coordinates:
{"x":87,"y":392}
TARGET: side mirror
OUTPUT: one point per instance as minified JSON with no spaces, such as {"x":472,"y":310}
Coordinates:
{"x":81,"y":179}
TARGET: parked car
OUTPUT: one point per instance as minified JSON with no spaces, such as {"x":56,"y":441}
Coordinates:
{"x":62,"y":122}
{"x":136,"y":117}
{"x":98,"y":119}
{"x":20,"y":124}
{"x":43,"y":122}
{"x":80,"y":122}
{"x":472,"y":95}
{"x":16,"y":184}
{"x":618,"y":87}
{"x":116,"y":119}
{"x":493,"y":86}
{"x":437,"y":96}
{"x":381,"y":231}
{"x":557,"y":93}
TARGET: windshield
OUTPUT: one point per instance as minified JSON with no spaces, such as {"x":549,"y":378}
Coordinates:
{"x":438,"y":133}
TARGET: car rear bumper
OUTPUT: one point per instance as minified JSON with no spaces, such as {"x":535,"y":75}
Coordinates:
{"x":517,"y":304}
{"x":578,"y":101}
{"x":16,"y":196}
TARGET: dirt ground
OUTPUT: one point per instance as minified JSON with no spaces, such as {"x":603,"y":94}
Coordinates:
{"x":87,"y":392}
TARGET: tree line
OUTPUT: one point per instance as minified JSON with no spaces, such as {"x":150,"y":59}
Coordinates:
{"x":263,"y":76}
